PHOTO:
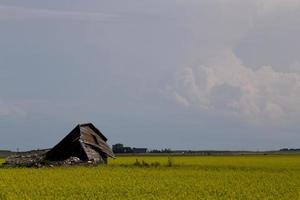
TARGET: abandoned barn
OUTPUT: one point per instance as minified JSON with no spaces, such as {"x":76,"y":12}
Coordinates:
{"x":85,"y":142}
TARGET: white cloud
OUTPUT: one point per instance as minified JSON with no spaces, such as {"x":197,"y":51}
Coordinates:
{"x":231,"y":88}
{"x":215,"y":80}
{"x":182,"y":100}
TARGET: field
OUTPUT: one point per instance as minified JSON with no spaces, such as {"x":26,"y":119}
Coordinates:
{"x":161,"y":177}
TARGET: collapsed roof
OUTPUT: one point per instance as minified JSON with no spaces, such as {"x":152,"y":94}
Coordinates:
{"x":86,"y":142}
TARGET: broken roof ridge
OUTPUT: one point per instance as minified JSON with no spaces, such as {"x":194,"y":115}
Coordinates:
{"x":85,"y":124}
{"x":93,"y":127}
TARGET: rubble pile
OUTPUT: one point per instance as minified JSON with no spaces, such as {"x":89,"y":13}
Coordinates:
{"x":69,"y":161}
{"x":25,"y":160}
{"x":38,"y":160}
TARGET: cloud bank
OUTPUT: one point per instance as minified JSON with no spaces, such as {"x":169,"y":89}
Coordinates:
{"x":231,"y":88}
{"x":215,"y":79}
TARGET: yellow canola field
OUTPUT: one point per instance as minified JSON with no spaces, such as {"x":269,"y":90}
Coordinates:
{"x":178,"y":177}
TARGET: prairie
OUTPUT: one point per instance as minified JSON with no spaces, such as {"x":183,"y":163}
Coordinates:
{"x":160,"y":177}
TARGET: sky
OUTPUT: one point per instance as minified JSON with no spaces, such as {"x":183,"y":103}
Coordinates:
{"x":179,"y":74}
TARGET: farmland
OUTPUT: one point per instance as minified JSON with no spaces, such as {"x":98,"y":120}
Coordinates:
{"x":161,"y":177}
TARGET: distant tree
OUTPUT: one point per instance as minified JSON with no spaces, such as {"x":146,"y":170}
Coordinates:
{"x":166,"y":151}
{"x":154,"y":151}
{"x":284,"y":149}
{"x":161,"y":151}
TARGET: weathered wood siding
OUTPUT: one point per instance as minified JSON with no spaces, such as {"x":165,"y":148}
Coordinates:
{"x":85,"y":142}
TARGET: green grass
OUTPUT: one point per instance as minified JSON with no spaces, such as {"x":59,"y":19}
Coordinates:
{"x":190,"y":177}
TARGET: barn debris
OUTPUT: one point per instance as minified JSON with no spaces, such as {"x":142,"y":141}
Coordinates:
{"x":26,"y":159}
{"x":84,"y":145}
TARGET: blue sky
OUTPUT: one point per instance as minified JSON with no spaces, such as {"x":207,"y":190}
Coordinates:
{"x":180,"y":74}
